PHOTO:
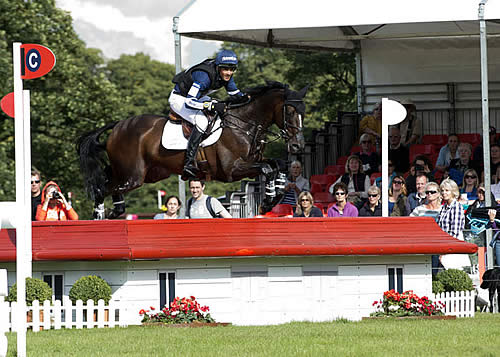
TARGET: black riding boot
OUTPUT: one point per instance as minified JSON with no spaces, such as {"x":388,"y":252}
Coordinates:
{"x":190,"y":168}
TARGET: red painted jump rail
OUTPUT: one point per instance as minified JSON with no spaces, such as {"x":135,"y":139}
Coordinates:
{"x":157,"y":239}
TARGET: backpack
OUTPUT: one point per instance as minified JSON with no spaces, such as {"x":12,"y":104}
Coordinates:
{"x":209,"y":208}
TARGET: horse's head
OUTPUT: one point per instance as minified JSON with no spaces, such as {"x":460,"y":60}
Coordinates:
{"x":294,"y":110}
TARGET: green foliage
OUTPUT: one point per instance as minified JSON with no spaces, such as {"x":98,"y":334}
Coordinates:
{"x":73,"y":98}
{"x":90,"y":287}
{"x":437,"y":287}
{"x":455,"y":280}
{"x":145,"y":83}
{"x":36,"y":289}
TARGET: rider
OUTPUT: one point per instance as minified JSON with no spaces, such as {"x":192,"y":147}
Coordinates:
{"x":190,"y":97}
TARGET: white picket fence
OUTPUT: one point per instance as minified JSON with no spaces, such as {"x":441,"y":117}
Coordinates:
{"x":56,"y":315}
{"x":457,"y":303}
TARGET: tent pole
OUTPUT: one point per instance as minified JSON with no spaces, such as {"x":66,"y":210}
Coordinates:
{"x":178,"y":68}
{"x":486,"y":124}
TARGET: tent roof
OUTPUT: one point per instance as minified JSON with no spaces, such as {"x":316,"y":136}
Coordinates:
{"x":182,"y":238}
{"x":333,"y":25}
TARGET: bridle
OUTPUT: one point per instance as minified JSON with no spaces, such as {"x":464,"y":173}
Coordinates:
{"x":295,"y":103}
{"x":257,"y":130}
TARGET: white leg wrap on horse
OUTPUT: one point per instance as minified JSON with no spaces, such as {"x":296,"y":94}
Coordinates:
{"x":270,"y":189}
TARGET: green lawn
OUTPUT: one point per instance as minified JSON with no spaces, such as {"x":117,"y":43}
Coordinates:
{"x":479,"y":336}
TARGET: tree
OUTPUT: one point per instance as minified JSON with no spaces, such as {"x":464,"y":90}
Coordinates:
{"x":144,"y":82}
{"x":73,"y":98}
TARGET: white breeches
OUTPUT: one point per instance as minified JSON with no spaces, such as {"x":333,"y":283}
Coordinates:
{"x":194,"y":116}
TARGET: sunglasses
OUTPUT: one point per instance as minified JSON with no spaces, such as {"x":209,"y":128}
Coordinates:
{"x":304,"y":200}
{"x":391,"y":164}
{"x":365,"y":142}
{"x":470,"y":177}
{"x":35,"y":181}
{"x":481,"y":192}
{"x":397,"y":182}
{"x":430,"y":192}
{"x":339,"y":193}
{"x":372,"y":194}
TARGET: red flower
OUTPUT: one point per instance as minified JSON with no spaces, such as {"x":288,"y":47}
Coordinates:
{"x":142,"y":312}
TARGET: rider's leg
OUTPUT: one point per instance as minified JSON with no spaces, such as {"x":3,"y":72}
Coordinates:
{"x":190,"y":168}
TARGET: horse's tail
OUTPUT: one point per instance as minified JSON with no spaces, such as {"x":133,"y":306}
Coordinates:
{"x":93,"y":164}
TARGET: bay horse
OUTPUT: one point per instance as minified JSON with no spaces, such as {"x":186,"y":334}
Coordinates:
{"x":136,"y":155}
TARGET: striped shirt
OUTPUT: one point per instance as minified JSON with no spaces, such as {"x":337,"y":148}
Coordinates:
{"x":451,"y":219}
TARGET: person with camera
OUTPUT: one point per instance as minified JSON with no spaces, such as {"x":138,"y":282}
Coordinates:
{"x":54,"y":206}
{"x":421,"y":166}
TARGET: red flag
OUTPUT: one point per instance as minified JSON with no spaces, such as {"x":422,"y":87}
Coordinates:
{"x":7,"y":104}
{"x":36,"y":61}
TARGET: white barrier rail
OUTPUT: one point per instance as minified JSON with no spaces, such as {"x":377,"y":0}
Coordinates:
{"x":56,"y":315}
{"x":457,"y":303}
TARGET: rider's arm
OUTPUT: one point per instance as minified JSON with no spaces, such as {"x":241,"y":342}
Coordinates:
{"x":201,"y":82}
{"x":232,"y":89}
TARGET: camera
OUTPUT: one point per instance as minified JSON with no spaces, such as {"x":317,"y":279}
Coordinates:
{"x":419,"y":168}
{"x":56,"y":194}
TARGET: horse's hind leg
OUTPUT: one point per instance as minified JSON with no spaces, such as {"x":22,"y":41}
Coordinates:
{"x":119,"y":206}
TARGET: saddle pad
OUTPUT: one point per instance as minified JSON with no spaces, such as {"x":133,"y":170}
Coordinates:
{"x":173,"y":139}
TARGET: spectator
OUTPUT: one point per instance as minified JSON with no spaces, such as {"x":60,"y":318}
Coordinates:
{"x":369,"y":158}
{"x":305,"y":207}
{"x":54,"y":206}
{"x":418,"y":198}
{"x":411,"y":126}
{"x":392,"y":174}
{"x":201,"y":205}
{"x":495,"y":241}
{"x":372,"y":124}
{"x":398,"y":153}
{"x":478,"y":151}
{"x":433,"y":202}
{"x":421,"y":165}
{"x":495,"y":188}
{"x":448,"y":153}
{"x":458,"y":166}
{"x":294,"y":184}
{"x":372,"y":207}
{"x":469,"y":185}
{"x":342,"y":208}
{"x":173,"y":206}
{"x":397,"y":197}
{"x":36,"y":192}
{"x":356,"y":181}
{"x":479,"y":203}
{"x":495,"y":157}
{"x":451,"y":219}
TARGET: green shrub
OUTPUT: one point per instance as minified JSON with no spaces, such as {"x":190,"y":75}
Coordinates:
{"x":437,"y":287}
{"x":36,"y":289}
{"x":90,"y":287}
{"x":455,"y":280}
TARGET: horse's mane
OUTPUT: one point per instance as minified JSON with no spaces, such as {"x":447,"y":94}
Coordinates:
{"x":261,"y":90}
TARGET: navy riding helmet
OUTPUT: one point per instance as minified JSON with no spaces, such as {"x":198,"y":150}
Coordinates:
{"x":226,"y":58}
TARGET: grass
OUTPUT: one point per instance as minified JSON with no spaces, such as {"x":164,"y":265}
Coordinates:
{"x":479,"y":336}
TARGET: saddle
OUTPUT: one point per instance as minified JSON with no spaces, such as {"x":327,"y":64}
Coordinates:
{"x":187,"y":127}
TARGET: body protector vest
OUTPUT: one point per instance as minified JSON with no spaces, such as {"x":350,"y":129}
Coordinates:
{"x":358,"y":180}
{"x":184,"y":79}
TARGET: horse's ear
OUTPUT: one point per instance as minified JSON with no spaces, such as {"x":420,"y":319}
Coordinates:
{"x":302,"y":92}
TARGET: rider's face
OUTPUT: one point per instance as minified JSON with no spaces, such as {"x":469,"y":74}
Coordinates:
{"x":196,"y":189}
{"x":226,"y":73}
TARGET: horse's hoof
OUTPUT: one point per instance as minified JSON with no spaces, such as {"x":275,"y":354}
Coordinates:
{"x":116,"y":212}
